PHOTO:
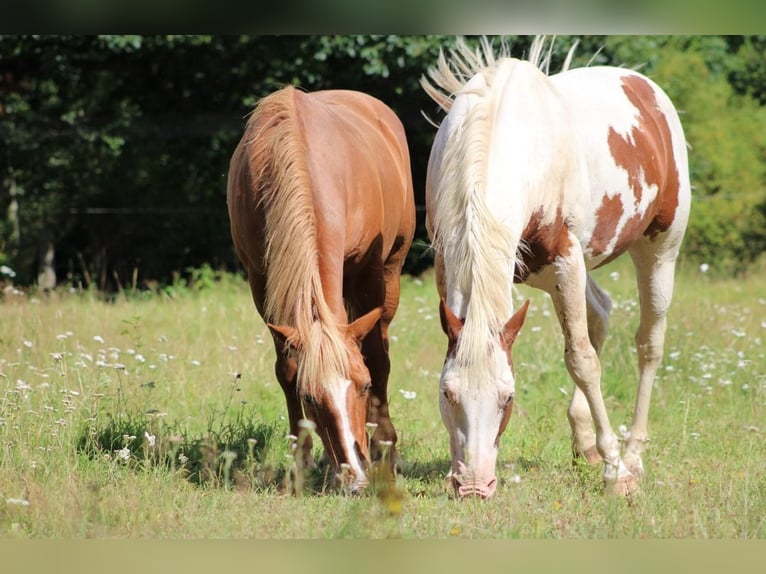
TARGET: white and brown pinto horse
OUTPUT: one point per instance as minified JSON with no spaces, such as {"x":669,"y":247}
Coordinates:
{"x":322,"y":215}
{"x":539,"y":179}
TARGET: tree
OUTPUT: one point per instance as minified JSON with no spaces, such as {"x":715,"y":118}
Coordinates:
{"x":114,"y":149}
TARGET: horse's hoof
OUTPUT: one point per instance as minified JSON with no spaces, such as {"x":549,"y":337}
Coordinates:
{"x":635,"y":466}
{"x":624,"y":486}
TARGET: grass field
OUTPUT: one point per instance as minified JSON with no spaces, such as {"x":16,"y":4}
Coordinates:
{"x":157,"y":415}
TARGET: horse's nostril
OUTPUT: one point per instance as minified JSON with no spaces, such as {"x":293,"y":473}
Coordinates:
{"x":484,"y":490}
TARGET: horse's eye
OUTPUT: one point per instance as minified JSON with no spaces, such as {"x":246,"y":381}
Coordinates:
{"x":365,"y":389}
{"x":310,"y":400}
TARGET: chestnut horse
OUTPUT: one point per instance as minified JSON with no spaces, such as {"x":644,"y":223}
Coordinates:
{"x":322,"y":215}
{"x":540,"y":179}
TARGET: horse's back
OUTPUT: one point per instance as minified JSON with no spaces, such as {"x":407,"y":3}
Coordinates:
{"x":349,"y":150}
{"x":636,"y":159}
{"x":357,"y":155}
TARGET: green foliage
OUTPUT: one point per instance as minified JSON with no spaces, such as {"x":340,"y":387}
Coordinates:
{"x":726,"y":233}
{"x":118,"y":145}
{"x":748,"y":71}
{"x":727,"y":138}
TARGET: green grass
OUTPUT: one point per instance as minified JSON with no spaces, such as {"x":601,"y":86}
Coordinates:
{"x":81,"y":379}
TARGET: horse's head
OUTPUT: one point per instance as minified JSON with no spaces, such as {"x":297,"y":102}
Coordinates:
{"x":336,"y":400}
{"x":476,"y":412}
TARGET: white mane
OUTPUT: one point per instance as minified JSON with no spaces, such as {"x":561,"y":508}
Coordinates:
{"x":480,"y":250}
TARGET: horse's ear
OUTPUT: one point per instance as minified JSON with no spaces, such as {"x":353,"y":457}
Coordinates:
{"x":359,"y":329}
{"x":285,"y":335}
{"x":513,"y":326}
{"x":451,"y":324}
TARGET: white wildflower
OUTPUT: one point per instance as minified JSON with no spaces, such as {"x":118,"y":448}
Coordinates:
{"x":704,"y":267}
{"x":22,"y":386}
{"x":7,"y":271}
{"x":409,"y":395}
{"x":98,"y":338}
{"x":150,"y":438}
{"x":123,"y":453}
{"x":307,"y":424}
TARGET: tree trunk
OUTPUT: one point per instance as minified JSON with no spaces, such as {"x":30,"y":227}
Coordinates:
{"x":13,"y":218}
{"x":46,"y":274}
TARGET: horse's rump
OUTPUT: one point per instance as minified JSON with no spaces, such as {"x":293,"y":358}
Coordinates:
{"x":317,"y":178}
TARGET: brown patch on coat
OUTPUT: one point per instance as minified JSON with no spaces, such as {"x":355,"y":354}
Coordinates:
{"x":451,"y":325}
{"x":646,"y":152}
{"x":543,"y":243}
{"x":607,"y":217}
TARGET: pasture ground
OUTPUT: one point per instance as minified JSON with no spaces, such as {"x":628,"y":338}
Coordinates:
{"x":157,"y":415}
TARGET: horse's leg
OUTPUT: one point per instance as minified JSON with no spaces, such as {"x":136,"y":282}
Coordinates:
{"x":598,"y":306}
{"x":286,"y":370}
{"x":376,"y":351}
{"x":566,"y":282}
{"x":381,"y":289}
{"x":655,"y":278}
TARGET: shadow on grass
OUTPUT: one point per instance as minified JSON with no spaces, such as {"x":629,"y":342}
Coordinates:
{"x":245,"y":454}
{"x":428,"y":470}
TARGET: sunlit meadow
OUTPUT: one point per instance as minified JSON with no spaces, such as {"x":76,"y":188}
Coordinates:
{"x":157,"y":415}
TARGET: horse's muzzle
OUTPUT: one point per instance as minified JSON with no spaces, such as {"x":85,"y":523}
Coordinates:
{"x":483,"y":489}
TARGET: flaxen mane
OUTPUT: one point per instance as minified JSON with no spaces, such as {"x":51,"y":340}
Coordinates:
{"x":294,"y":295}
{"x":480,"y":252}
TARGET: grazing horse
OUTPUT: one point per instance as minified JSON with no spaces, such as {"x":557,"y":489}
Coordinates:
{"x":322,"y":215}
{"x":539,"y":179}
